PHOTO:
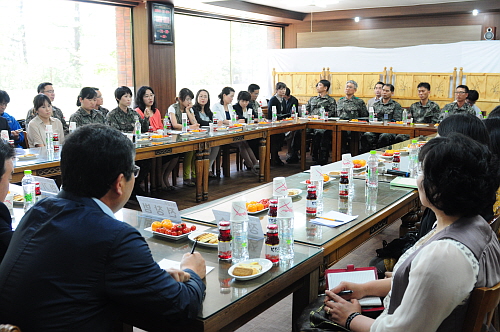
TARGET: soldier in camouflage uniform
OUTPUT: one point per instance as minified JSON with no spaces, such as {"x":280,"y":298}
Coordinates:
{"x":47,"y":89}
{"x":459,"y":106}
{"x":322,"y":138}
{"x":395,"y":113}
{"x":123,"y":117}
{"x":87,"y":114}
{"x":425,"y":110}
{"x":98,"y":104}
{"x":348,"y":108}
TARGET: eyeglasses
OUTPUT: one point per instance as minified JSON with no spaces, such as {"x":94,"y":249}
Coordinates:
{"x":460,"y":92}
{"x":136,"y":171}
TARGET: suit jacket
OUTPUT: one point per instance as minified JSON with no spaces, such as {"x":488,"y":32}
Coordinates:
{"x":5,"y":229}
{"x":280,"y":108}
{"x":72,"y":267}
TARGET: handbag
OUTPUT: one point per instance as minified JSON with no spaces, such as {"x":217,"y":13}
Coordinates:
{"x":315,"y":319}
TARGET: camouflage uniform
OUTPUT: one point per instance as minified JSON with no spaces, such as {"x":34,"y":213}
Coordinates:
{"x":322,"y":138}
{"x":81,"y":117}
{"x":374,"y":140}
{"x":56,"y":113}
{"x":453,"y":108}
{"x":103,"y":110}
{"x":126,"y":121}
{"x":351,"y":108}
{"x":425,"y":114}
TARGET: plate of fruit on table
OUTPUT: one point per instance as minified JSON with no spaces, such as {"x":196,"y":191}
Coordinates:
{"x":358,"y":165}
{"x":326,"y":179}
{"x":170,"y":230}
{"x":256,"y":207}
{"x":388,"y":154}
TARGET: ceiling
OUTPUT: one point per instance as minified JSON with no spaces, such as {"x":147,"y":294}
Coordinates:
{"x":313,"y":6}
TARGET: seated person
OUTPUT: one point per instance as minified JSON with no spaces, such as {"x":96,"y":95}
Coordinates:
{"x":36,"y":127}
{"x":495,"y":113}
{"x":292,"y":138}
{"x":99,"y":102}
{"x":16,"y":132}
{"x":175,"y":111}
{"x":246,"y":152}
{"x":425,"y":110}
{"x":432,"y":281}
{"x":204,"y":117}
{"x":71,"y":266}
{"x":48,"y":89}
{"x":7,"y":155}
{"x":472,"y":98}
{"x":279,"y":103}
{"x":254,"y":91}
{"x":394,"y":111}
{"x":459,"y":105}
{"x":322,"y":139}
{"x":87,"y":113}
{"x":124,"y":118}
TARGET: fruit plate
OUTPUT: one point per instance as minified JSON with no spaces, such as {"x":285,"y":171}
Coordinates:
{"x":194,"y":234}
{"x":331,"y":179}
{"x":171,"y":237}
{"x":421,"y":124}
{"x":265,"y":263}
{"x":25,"y":157}
{"x":359,"y":169}
{"x":257,"y":212}
{"x":201,"y":132}
{"x":294,"y":192}
{"x":395,"y":124}
{"x":386,"y":157}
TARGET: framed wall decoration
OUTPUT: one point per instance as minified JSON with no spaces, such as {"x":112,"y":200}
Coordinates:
{"x":162,"y":23}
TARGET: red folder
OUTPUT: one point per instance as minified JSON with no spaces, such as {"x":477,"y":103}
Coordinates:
{"x":351,"y":268}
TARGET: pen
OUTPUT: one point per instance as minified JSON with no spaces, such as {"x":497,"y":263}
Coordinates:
{"x":344,"y":292}
{"x":327,"y":218}
{"x":194,"y":246}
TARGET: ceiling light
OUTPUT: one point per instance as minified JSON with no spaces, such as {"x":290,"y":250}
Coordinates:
{"x":356,"y":19}
{"x":475,"y":12}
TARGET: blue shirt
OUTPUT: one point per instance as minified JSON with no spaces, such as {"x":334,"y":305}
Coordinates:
{"x":14,"y":125}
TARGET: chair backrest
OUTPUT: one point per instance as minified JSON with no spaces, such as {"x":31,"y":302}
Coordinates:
{"x":482,"y":303}
{"x":9,"y":328}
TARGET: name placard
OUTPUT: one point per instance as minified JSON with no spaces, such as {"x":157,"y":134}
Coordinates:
{"x":254,"y":227}
{"x":47,"y":184}
{"x":159,"y":207}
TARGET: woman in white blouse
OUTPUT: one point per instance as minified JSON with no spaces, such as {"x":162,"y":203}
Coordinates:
{"x":432,"y":281}
{"x":36,"y":128}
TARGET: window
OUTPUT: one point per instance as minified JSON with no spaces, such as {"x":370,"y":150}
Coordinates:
{"x":211,"y":54}
{"x":70,"y":44}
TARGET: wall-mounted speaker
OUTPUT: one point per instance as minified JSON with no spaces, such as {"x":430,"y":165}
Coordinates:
{"x":490,"y":33}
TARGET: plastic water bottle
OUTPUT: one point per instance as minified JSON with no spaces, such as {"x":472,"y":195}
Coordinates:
{"x":285,"y":227}
{"x":294,"y":113}
{"x":49,"y":140}
{"x":28,"y":184}
{"x":249,"y":115}
{"x":372,"y":176}
{"x":233,"y":118}
{"x":322,"y":113}
{"x":184,"y":123}
{"x":167,"y":127}
{"x":259,"y":114}
{"x":275,"y":114}
{"x":371,"y":115}
{"x":446,"y":114}
{"x":239,"y":230}
{"x":405,"y":117}
{"x":413,"y":159}
{"x":137,"y":130}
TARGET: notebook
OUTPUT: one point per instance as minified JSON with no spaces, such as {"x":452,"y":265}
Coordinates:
{"x":359,"y":275}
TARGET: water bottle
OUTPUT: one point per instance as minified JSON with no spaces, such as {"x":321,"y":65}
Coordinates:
{"x":303,"y":111}
{"x":167,"y":127}
{"x":405,"y":117}
{"x":275,"y":114}
{"x":215,"y":120}
{"x":28,"y":184}
{"x":372,"y":175}
{"x":137,"y":130}
{"x":239,"y":230}
{"x":285,"y":227}
{"x":371,"y":115}
{"x":413,"y":159}
{"x":233,"y":118}
{"x":259,"y":114}
{"x":250,"y":115}
{"x":294,"y":113}
{"x":348,"y":166}
{"x":184,"y":123}
{"x":386,"y":119}
{"x":49,"y":140}
{"x":446,"y":114}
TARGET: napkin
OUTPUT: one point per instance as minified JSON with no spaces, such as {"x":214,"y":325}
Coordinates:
{"x":167,"y":264}
{"x":338,"y":219}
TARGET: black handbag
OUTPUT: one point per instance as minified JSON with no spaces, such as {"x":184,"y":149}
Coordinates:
{"x":314,"y":319}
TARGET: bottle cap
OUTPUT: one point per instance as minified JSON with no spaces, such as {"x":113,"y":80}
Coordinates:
{"x":414,"y":141}
{"x":273,"y":201}
{"x":373,"y":152}
{"x":285,"y":207}
{"x":239,"y":211}
{"x":311,"y":186}
{"x":27,"y":171}
{"x":344,"y":173}
{"x":272,"y":227}
{"x":224,"y":223}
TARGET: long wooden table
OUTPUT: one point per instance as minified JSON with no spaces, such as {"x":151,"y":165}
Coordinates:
{"x":201,"y":144}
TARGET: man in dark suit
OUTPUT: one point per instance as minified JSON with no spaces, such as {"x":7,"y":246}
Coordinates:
{"x":71,"y":266}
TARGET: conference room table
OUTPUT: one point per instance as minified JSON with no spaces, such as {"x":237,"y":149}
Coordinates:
{"x":48,"y":165}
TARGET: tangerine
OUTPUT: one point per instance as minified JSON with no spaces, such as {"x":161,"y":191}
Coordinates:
{"x":155,"y":225}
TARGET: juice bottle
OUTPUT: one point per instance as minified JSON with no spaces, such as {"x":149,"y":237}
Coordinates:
{"x":312,"y":200}
{"x":344,"y":184}
{"x":272,"y":243}
{"x":273,"y":211}
{"x":225,"y":241}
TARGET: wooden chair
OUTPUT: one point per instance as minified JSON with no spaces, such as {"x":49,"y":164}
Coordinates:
{"x":9,"y":328}
{"x":482,"y":304}
{"x":25,"y":143}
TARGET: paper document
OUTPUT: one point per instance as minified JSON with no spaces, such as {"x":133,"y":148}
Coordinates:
{"x":168,"y":264}
{"x":358,"y":277}
{"x":404,"y":182}
{"x":333,"y":219}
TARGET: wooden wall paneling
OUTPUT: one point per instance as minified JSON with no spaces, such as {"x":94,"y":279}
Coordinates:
{"x":440,"y":86}
{"x":337,"y":86}
{"x":162,"y":74}
{"x":140,"y":23}
{"x":299,"y":85}
{"x":492,"y":88}
{"x":312,"y":80}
